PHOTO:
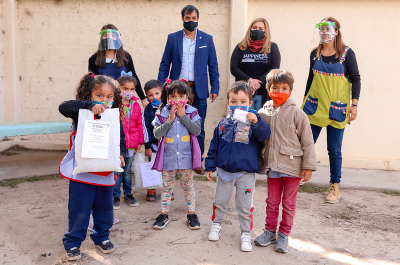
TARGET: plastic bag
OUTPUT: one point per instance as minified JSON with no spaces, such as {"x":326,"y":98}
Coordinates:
{"x":140,"y":158}
{"x":242,"y":132}
{"x":112,"y":163}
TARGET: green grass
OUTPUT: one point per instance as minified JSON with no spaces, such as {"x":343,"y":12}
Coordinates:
{"x":203,"y":178}
{"x":312,"y":189}
{"x":6,"y":153}
{"x":392,"y":193}
{"x":346,"y":217}
{"x":13,"y":183}
{"x":19,"y":148}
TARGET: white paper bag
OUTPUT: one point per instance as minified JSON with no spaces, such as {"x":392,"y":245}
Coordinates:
{"x":140,"y":163}
{"x":240,"y":115}
{"x":112,"y":163}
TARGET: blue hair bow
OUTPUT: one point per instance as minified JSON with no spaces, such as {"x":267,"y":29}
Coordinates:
{"x":128,"y":73}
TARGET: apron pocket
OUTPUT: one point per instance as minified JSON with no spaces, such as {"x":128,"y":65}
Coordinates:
{"x":337,"y":111}
{"x":311,"y":105}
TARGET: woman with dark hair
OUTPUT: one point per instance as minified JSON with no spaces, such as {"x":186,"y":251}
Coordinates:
{"x":112,"y":60}
{"x":333,"y":77}
{"x":254,"y":57}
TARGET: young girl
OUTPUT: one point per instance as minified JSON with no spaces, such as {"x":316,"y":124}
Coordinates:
{"x":176,"y":126}
{"x":133,"y":136}
{"x":112,"y":60}
{"x":288,"y":156}
{"x":90,"y":191}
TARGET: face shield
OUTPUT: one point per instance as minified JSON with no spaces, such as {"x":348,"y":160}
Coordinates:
{"x":110,"y":39}
{"x":325,"y":32}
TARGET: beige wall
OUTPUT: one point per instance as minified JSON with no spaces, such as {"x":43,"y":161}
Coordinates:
{"x":53,"y":40}
{"x":372,"y":141}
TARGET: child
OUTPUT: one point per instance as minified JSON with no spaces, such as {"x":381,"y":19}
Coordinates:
{"x":133,"y":136}
{"x":234,"y":150}
{"x":176,"y":125}
{"x":288,"y":155}
{"x":152,"y":89}
{"x":90,"y":190}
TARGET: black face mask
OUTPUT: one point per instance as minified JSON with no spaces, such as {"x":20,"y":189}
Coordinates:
{"x":104,"y":44}
{"x":190,"y":25}
{"x":257,"y":34}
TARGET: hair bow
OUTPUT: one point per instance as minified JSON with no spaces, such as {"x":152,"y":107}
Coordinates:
{"x":168,"y":81}
{"x":183,"y":80}
{"x":128,"y":73}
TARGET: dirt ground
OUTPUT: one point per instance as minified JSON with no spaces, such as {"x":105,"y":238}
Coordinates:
{"x":364,"y":228}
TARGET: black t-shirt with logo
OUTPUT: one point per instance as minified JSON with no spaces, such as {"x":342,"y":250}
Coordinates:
{"x":247,"y":64}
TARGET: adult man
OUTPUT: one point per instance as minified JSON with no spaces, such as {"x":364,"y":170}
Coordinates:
{"x":191,"y":51}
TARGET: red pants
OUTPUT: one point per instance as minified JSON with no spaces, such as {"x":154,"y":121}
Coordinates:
{"x":285,"y":188}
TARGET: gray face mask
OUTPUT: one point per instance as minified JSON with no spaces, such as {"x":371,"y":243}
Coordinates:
{"x":190,"y":25}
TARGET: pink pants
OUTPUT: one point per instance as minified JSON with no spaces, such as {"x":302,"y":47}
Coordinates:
{"x":285,"y":188}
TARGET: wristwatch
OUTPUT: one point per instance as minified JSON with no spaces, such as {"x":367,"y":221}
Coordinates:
{"x":354,"y":105}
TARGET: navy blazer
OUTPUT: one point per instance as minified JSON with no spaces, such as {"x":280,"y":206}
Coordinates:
{"x":205,"y":57}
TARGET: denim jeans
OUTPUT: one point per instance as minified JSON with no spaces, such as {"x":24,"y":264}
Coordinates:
{"x":257,"y":102}
{"x":201,"y":106}
{"x":334,"y":144}
{"x":124,"y":177}
{"x":285,"y":190}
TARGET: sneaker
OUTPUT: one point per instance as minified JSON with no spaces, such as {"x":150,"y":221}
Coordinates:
{"x":246,"y":243}
{"x":106,"y":247}
{"x":214,"y":232}
{"x":73,"y":254}
{"x":266,"y":238}
{"x":193,"y":221}
{"x":151,"y":195}
{"x":90,"y":227}
{"x":116,"y":203}
{"x":333,"y":193}
{"x":282,"y":243}
{"x":130,"y":200}
{"x":161,"y":221}
{"x":172,"y":196}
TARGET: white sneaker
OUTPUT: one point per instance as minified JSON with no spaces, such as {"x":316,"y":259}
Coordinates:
{"x":214,"y":232}
{"x":246,"y":242}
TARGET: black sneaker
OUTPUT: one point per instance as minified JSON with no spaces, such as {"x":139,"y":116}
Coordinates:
{"x":130,"y":200}
{"x":73,"y":253}
{"x":116,"y":203}
{"x":106,"y":247}
{"x":151,"y":195}
{"x":193,"y":221}
{"x":161,"y":221}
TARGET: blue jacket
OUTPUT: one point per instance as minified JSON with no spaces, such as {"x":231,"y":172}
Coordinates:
{"x":205,"y":57}
{"x":233,"y":156}
{"x":148,"y":115}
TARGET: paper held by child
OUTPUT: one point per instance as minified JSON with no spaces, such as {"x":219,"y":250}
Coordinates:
{"x":144,"y":176}
{"x":240,"y":115}
{"x":96,"y":139}
{"x":150,"y":177}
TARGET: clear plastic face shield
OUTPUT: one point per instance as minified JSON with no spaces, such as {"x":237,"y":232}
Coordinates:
{"x":325,"y":32}
{"x":110,"y":39}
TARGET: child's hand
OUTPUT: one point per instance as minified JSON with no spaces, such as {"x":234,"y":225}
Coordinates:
{"x":180,"y":110}
{"x":97,"y":109}
{"x":252,"y":117}
{"x":172,"y":114}
{"x":306,"y":174}
{"x":121,"y":158}
{"x":209,"y":175}
{"x":138,"y":148}
{"x":148,"y":152}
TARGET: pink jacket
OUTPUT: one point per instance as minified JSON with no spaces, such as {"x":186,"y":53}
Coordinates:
{"x":133,"y":127}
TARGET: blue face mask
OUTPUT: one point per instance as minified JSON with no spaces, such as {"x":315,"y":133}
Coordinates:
{"x":232,"y":109}
{"x":155,"y":102}
{"x":106,"y":104}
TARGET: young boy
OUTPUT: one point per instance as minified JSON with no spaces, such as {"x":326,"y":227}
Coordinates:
{"x":288,"y":155}
{"x":152,"y":88}
{"x":234,"y":150}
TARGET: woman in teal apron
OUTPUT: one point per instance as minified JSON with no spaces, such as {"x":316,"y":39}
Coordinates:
{"x":332,"y":93}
